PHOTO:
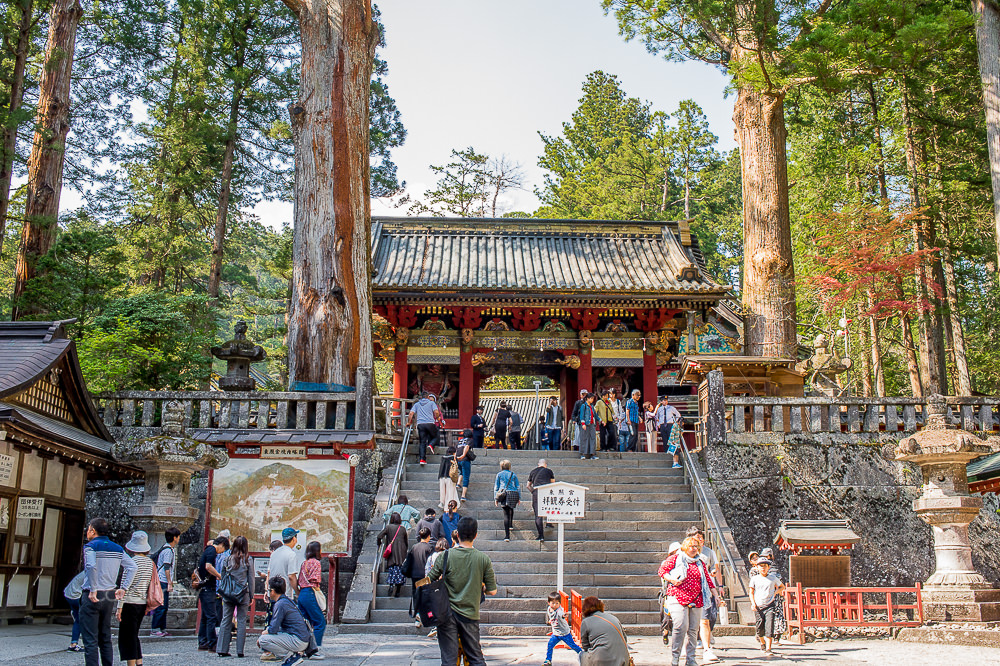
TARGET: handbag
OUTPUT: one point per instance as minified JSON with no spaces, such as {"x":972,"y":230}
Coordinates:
{"x":432,"y":598}
{"x":631,"y":661}
{"x":154,"y":596}
{"x":453,"y":472}
{"x":388,"y":547}
{"x":501,"y":496}
{"x":320,"y":598}
{"x":229,"y":589}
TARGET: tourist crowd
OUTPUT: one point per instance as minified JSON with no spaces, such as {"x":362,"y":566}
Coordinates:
{"x":128,"y":583}
{"x":602,"y":421}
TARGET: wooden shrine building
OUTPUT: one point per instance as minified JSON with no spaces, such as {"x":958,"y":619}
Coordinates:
{"x":51,"y":441}
{"x":591,"y":304}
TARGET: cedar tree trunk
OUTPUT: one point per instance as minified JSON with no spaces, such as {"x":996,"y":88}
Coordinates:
{"x":45,"y":167}
{"x":963,"y":381}
{"x":988,"y":42}
{"x":329,"y":330}
{"x":768,"y":274}
{"x":8,"y":132}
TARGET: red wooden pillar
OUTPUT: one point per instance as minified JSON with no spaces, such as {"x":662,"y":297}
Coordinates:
{"x":400,"y":377}
{"x":466,"y":391}
{"x":476,"y":382}
{"x":585,"y":375}
{"x":649,"y":377}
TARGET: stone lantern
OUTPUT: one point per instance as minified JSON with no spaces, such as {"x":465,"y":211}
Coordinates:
{"x":168,"y":459}
{"x":238,"y":354}
{"x":955,"y":591}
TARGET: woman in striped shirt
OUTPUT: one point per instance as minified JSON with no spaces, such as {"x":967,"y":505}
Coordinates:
{"x":132,"y":607}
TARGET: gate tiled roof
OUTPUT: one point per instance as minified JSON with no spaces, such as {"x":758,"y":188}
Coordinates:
{"x":533,"y":256}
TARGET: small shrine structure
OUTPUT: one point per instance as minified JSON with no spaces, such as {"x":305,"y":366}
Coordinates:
{"x":590,"y":304}
{"x":806,"y":539}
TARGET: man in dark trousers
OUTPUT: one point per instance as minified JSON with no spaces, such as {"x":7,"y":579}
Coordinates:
{"x":574,"y":419}
{"x":469,"y":575}
{"x":478,"y":425}
{"x":426,"y":415}
{"x":539,"y":476}
{"x":553,"y":425}
{"x":417,"y":559}
{"x":102,"y":560}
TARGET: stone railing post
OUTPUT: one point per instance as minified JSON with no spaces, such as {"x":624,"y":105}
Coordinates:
{"x":715,"y":409}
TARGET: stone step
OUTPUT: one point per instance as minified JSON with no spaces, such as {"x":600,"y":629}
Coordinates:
{"x":515,"y":618}
{"x":526,"y":521}
{"x":408,"y":629}
{"x":606,"y":580}
{"x":599,"y":537}
{"x":561,"y":468}
{"x":541,"y":591}
{"x":430,"y":488}
{"x":429,"y":480}
{"x":512,"y":604}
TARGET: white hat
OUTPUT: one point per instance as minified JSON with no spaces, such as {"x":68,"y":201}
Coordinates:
{"x":674,"y":547}
{"x":224,"y":533}
{"x":139,"y":542}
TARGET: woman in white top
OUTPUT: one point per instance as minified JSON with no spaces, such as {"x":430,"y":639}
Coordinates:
{"x":132,"y":607}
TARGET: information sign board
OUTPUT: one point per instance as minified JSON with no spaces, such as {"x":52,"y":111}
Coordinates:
{"x":560,"y":501}
{"x":31,"y":508}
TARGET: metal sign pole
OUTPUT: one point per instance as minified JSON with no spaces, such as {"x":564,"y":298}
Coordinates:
{"x":559,"y":566}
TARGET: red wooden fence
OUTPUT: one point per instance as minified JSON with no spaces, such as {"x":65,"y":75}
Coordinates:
{"x":847,"y":607}
{"x":573,"y":606}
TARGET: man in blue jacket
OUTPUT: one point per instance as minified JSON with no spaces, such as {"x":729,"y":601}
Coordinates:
{"x":102,"y":558}
{"x":287,"y":635}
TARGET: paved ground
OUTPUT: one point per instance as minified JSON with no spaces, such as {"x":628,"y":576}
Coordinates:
{"x":40,"y":645}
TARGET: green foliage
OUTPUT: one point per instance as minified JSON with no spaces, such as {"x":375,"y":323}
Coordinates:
{"x":149,"y":339}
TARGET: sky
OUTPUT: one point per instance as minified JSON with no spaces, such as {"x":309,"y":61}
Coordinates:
{"x":491,"y":75}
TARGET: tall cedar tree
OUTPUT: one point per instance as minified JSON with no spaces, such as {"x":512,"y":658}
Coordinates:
{"x":45,"y":168}
{"x":329,"y":328}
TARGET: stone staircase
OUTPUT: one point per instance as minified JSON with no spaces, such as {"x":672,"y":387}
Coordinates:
{"x":636,"y":505}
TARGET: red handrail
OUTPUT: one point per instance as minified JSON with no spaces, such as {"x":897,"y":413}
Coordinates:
{"x":846,"y":607}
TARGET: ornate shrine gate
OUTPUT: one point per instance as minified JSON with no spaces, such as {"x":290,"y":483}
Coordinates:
{"x":591,"y":304}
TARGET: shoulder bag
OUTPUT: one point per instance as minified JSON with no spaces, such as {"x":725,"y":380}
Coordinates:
{"x":432,"y":598}
{"x":154,"y":595}
{"x":453,"y":472}
{"x":388,"y":547}
{"x":229,"y":589}
{"x":631,"y":661}
{"x":501,"y":495}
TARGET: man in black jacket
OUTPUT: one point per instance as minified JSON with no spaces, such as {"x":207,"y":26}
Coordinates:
{"x":478,"y":425}
{"x":539,"y":476}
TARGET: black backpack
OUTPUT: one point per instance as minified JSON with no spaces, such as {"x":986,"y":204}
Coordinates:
{"x":432,"y":603}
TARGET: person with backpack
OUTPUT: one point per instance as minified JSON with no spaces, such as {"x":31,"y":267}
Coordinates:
{"x":515,"y":430}
{"x":394,"y":553}
{"x":164,"y":559}
{"x":464,"y":455}
{"x":468,"y":576}
{"x":235,"y":591}
{"x":448,"y":478}
{"x":447,"y":523}
{"x":133,"y":605}
{"x":506,"y":495}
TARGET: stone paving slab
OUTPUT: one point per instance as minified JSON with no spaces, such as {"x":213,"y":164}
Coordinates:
{"x":44,"y":645}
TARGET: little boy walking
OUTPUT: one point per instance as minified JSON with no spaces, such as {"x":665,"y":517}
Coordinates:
{"x":764,"y":588}
{"x":556,"y":617}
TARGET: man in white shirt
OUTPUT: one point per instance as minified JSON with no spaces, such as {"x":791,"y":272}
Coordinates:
{"x":284,"y":562}
{"x":667,"y":417}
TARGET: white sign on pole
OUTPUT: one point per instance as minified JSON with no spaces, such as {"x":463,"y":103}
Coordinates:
{"x":6,"y":468}
{"x":561,"y":502}
{"x":31,"y":508}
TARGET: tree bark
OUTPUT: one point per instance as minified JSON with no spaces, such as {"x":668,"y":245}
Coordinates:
{"x":963,"y":380}
{"x":768,"y":274}
{"x":45,"y":166}
{"x":864,"y":351}
{"x":988,"y":44}
{"x":232,"y":136}
{"x":912,"y":364}
{"x":329,"y":330}
{"x":8,"y":142}
{"x":876,"y":351}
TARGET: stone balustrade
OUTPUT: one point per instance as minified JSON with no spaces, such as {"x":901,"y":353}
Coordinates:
{"x":139,"y":413}
{"x":772,"y":419}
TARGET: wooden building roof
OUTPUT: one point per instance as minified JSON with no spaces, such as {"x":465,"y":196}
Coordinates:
{"x":43,"y":399}
{"x":532,"y":257}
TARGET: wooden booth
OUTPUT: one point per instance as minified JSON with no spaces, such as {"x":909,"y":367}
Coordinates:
{"x":51,"y":441}
{"x":590,"y":304}
{"x":808,"y":565}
